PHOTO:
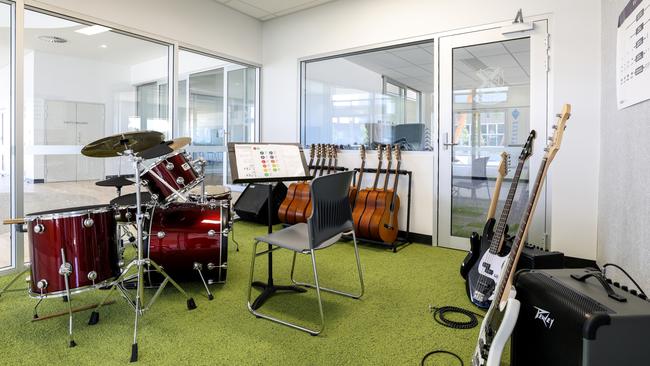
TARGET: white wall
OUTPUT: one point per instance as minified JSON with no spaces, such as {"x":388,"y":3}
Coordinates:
{"x":624,"y":205}
{"x":201,"y":23}
{"x":575,"y":78}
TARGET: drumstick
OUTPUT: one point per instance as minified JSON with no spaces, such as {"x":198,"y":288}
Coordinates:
{"x":13,"y":221}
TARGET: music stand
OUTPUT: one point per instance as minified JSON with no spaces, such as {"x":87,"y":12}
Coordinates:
{"x":268,"y":163}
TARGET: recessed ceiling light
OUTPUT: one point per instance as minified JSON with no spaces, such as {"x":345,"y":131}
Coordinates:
{"x":103,"y":46}
{"x":92,"y":30}
{"x":52,"y":39}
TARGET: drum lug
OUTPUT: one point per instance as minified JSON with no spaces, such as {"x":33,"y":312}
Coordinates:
{"x":180,"y":181}
{"x":212,"y":266}
{"x":65,"y":269}
{"x":144,"y":182}
{"x":42,"y":284}
{"x":128,"y":215}
{"x":39,"y":228}
{"x":225,"y":231}
{"x":211,"y":233}
{"x":154,"y":197}
{"x":198,"y":266}
{"x":169,"y":165}
{"x":89,"y":222}
{"x":161,"y":235}
{"x":92,"y":275}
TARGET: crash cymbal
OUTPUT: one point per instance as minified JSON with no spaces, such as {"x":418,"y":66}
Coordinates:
{"x":115,"y":145}
{"x":117,"y":181}
{"x":180,"y":142}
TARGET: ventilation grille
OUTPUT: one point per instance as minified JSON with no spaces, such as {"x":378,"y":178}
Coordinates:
{"x":52,"y":39}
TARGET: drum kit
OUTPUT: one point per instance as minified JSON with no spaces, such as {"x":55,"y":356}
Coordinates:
{"x":176,"y":228}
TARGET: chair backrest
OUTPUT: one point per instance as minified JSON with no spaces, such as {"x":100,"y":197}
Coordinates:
{"x":479,"y":168}
{"x":331,"y":211}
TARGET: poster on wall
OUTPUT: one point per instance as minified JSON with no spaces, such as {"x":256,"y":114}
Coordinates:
{"x":633,"y":54}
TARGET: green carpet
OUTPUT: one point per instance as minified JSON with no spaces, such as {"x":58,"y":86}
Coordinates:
{"x":390,"y":325}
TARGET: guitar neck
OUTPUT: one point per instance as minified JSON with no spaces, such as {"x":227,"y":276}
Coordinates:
{"x":387,"y":177}
{"x":497,"y":238}
{"x":495,"y":198}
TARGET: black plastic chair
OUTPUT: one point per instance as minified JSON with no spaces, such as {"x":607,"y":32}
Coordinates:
{"x":331,"y":218}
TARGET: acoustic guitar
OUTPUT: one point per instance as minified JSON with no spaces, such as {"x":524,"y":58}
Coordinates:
{"x":502,"y":315}
{"x":354,"y":190}
{"x":331,"y":154}
{"x":377,"y":202}
{"x":302,"y":197}
{"x":291,"y":192}
{"x":389,"y":227}
{"x":363,"y":227}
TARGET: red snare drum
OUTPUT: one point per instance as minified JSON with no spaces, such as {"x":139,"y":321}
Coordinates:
{"x":173,"y":172}
{"x":87,"y":237}
{"x":182,"y":234}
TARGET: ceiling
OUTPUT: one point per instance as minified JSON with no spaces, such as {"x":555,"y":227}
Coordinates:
{"x":411,"y":65}
{"x":269,"y":9}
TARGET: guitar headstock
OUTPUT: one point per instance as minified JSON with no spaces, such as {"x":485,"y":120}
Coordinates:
{"x":556,"y":140}
{"x":312,"y":151}
{"x":362,"y":152}
{"x":398,"y":152}
{"x":380,"y":152}
{"x":319,"y":151}
{"x":504,"y":165}
{"x":389,"y":153}
{"x":527,"y":150}
{"x":335,"y":151}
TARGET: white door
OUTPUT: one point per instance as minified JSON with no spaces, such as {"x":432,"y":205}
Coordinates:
{"x":493,"y":91}
{"x":60,"y":136}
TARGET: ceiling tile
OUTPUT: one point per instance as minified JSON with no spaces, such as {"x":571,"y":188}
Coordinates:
{"x":414,"y":55}
{"x":489,"y":49}
{"x":414,"y":71}
{"x":518,"y":45}
{"x":303,"y":6}
{"x":504,"y":60}
{"x":248,"y":9}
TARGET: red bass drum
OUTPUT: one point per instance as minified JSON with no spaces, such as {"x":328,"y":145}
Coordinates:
{"x":182,"y":235}
{"x":85,"y":236}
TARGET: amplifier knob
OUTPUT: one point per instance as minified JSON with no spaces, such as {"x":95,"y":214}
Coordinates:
{"x":617,"y":284}
{"x":633,"y":292}
{"x":88,"y":222}
{"x":624,"y":288}
{"x":39,"y":228}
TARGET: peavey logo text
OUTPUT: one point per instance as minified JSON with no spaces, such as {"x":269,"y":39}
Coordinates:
{"x":545,"y":317}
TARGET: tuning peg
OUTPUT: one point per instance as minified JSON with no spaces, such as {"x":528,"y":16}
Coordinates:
{"x":558,"y":115}
{"x":554,"y":127}
{"x":546,"y":149}
{"x":550,"y":138}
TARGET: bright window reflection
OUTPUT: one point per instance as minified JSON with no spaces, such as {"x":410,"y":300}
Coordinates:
{"x":6,"y":251}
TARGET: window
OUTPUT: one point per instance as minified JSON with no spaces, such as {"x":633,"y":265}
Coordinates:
{"x":217,"y":103}
{"x":381,"y":96}
{"x":6,"y":249}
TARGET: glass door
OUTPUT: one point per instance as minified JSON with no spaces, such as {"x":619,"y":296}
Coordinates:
{"x":493,"y":91}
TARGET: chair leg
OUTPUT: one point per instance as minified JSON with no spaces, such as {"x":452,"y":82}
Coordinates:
{"x":320,"y":301}
{"x":259,"y":314}
{"x":334,"y":291}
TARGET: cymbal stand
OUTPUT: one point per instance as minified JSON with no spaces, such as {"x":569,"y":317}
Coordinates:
{"x":140,"y":263}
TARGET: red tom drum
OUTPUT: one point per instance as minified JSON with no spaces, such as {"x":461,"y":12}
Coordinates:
{"x":184,"y":235}
{"x":170,"y":173}
{"x":85,"y":236}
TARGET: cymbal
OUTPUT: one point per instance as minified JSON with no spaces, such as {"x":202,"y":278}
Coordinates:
{"x":117,"y":181}
{"x":115,"y":145}
{"x":180,"y":142}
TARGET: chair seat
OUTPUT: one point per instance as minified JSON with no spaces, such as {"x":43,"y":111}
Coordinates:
{"x":295,"y":237}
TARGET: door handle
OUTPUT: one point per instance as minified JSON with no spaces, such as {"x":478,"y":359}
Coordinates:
{"x":446,"y":144}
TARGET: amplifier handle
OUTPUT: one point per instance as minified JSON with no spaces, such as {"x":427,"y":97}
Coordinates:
{"x":599,"y":276}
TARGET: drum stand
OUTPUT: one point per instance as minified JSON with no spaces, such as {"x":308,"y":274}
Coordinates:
{"x":140,"y":263}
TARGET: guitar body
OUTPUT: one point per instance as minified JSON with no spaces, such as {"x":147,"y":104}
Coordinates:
{"x":303,"y":200}
{"x":364,"y":222}
{"x":473,"y":255}
{"x":284,"y":206}
{"x":495,"y":332}
{"x":359,"y":207}
{"x":380,"y":207}
{"x":389,"y":227}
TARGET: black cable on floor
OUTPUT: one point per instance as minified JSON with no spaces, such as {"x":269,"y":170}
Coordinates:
{"x":440,"y":316}
{"x":444,"y":352}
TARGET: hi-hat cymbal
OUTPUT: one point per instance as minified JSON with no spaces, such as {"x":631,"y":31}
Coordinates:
{"x":180,"y":142}
{"x":117,"y":181}
{"x":115,"y":145}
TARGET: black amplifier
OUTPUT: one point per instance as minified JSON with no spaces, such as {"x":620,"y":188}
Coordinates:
{"x":573,"y":317}
{"x":533,"y":257}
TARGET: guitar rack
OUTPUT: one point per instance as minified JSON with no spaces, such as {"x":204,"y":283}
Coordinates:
{"x":405,"y":239}
{"x":334,"y":168}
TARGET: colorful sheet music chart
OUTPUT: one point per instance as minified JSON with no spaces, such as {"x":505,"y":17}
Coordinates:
{"x":266,"y":162}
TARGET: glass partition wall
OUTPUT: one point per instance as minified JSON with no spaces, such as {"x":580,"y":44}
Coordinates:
{"x":375,"y":97}
{"x":82,"y":82}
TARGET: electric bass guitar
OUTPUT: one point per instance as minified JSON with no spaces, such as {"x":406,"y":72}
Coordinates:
{"x":475,"y":238}
{"x":483,"y":276}
{"x":502,"y":315}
